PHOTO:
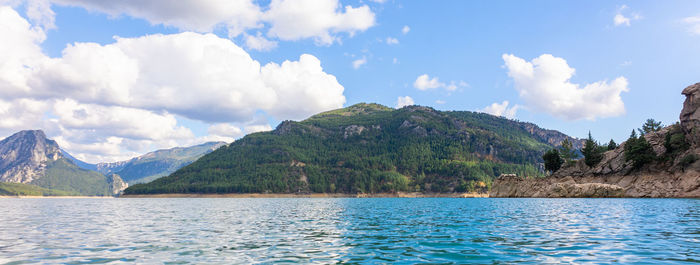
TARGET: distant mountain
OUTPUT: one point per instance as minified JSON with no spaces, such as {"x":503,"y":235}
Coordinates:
{"x":153,"y":165}
{"x":28,"y":157}
{"x":369,"y":148}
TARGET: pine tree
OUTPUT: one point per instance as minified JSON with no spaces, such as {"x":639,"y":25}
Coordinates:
{"x":552,"y":160}
{"x":651,"y":126}
{"x":638,"y":150}
{"x":591,"y":152}
{"x":567,"y":150}
{"x":612,"y":145}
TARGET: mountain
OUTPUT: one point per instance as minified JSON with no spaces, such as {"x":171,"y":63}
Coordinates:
{"x":673,"y":169}
{"x":369,"y":148}
{"x":153,"y":165}
{"x":28,"y":157}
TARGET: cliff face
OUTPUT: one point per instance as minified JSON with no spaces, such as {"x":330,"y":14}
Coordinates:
{"x":28,"y":157}
{"x":24,"y":155}
{"x":676,"y":173}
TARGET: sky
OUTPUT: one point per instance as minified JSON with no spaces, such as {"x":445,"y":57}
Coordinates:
{"x":110,"y":80}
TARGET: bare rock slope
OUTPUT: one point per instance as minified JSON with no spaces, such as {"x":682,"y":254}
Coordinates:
{"x":675,"y":174}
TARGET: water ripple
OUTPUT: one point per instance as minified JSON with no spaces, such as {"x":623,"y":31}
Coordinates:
{"x":370,"y":231}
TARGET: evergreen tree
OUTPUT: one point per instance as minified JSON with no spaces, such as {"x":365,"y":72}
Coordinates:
{"x":567,"y":150}
{"x":552,"y":160}
{"x":612,"y":145}
{"x":591,"y":152}
{"x":638,"y":150}
{"x":651,"y":126}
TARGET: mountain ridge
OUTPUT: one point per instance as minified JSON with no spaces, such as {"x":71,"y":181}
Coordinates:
{"x":368,"y":148}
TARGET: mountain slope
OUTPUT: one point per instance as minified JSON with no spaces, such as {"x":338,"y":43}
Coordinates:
{"x":153,"y":165}
{"x":28,"y":157}
{"x":368,"y":148}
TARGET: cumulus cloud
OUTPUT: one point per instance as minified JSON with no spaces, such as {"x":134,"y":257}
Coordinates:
{"x":317,"y":19}
{"x":404,"y":101}
{"x":693,"y":25}
{"x":405,"y":30}
{"x":621,"y":20}
{"x":359,"y":62}
{"x":260,"y":43}
{"x":91,"y":94}
{"x":392,"y":41}
{"x":502,"y":109}
{"x":544,"y":84}
{"x":321,"y":20}
{"x":424,"y":82}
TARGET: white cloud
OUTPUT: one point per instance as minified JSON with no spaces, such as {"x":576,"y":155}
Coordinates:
{"x":395,"y":60}
{"x":619,"y":19}
{"x":405,"y":30}
{"x":694,"y":25}
{"x":424,"y":82}
{"x":502,"y":109}
{"x":321,"y":20}
{"x":91,"y":95}
{"x":544,"y":84}
{"x":197,"y":15}
{"x":391,"y":41}
{"x":440,"y":102}
{"x":359,"y":62}
{"x":317,"y":19}
{"x":260,"y":43}
{"x":404,"y":101}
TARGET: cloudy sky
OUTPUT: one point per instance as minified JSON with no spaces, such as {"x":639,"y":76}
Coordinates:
{"x":113,"y":79}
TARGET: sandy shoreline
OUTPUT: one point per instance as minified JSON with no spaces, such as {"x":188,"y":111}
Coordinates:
{"x":312,"y":195}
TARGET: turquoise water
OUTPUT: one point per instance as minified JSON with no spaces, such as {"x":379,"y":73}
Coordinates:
{"x":374,"y":231}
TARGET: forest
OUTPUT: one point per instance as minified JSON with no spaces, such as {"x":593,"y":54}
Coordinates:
{"x":369,"y":148}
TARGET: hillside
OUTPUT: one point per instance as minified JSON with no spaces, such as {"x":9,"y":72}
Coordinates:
{"x":28,"y":157}
{"x":673,"y":169}
{"x":368,"y":148}
{"x":153,"y":165}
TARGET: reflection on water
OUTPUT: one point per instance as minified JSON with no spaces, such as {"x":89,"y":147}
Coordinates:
{"x":349,"y":230}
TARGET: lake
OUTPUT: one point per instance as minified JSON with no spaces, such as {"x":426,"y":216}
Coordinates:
{"x":364,"y":230}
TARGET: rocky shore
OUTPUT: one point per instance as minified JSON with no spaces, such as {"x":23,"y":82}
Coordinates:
{"x":673,"y":175}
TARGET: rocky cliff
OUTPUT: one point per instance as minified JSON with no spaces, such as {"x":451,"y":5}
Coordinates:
{"x":675,"y":172}
{"x":28,"y":157}
{"x":24,"y":155}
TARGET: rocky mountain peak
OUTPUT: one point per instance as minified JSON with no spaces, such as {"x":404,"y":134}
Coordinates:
{"x":23,"y":155}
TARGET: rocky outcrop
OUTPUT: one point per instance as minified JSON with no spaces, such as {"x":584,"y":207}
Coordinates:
{"x":117,"y":183}
{"x":676,"y":173}
{"x":643,"y":185}
{"x":690,"y":116}
{"x":24,"y":155}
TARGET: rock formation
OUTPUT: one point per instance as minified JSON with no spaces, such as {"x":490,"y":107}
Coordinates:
{"x":23,"y":156}
{"x":676,"y":173}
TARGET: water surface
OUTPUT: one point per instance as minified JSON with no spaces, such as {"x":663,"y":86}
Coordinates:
{"x":373,"y":230}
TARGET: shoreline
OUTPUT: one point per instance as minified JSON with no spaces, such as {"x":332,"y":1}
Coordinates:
{"x":61,"y":197}
{"x":310,"y":195}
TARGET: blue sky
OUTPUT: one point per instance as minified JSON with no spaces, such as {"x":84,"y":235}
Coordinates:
{"x":641,"y":53}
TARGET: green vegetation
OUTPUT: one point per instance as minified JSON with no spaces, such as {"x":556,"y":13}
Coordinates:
{"x":19,"y":189}
{"x":650,"y":126}
{"x":552,"y":160}
{"x":63,"y":175}
{"x":592,"y":151}
{"x":611,"y":145}
{"x":638,"y":150}
{"x":567,"y":151}
{"x":366,"y":148}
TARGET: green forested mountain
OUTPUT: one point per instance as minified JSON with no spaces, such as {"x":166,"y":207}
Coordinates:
{"x":368,"y":148}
